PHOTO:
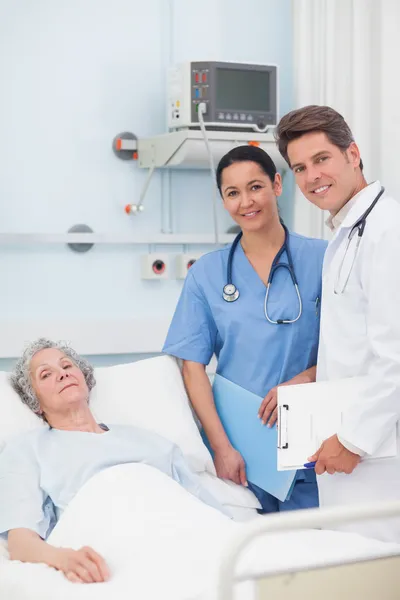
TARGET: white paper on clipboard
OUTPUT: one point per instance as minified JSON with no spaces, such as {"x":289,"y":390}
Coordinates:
{"x":310,"y":413}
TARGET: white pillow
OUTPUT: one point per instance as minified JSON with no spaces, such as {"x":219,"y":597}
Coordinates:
{"x":150,"y":394}
{"x":15,"y":417}
{"x":3,"y":550}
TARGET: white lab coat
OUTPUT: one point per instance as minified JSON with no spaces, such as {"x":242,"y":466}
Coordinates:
{"x":360,"y":335}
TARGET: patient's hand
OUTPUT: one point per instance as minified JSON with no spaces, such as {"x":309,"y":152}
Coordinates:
{"x":229,"y":464}
{"x":81,"y":566}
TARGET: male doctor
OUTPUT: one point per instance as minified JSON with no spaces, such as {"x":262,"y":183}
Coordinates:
{"x":360,"y":319}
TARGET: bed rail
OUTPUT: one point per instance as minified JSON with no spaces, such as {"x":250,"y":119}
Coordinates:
{"x":355,"y":580}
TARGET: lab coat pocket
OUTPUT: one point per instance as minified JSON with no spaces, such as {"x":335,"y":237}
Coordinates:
{"x":350,"y":308}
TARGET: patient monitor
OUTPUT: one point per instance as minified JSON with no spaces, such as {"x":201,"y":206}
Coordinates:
{"x":236,"y":96}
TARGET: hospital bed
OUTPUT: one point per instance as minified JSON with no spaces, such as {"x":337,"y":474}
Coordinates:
{"x":368,"y":578}
{"x":185,"y":550}
{"x":161,"y":543}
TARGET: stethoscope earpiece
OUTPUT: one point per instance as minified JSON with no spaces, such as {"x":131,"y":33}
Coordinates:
{"x":230,"y":293}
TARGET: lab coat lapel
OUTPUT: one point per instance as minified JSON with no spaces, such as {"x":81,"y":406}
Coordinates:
{"x":366,"y":197}
{"x":331,"y":250}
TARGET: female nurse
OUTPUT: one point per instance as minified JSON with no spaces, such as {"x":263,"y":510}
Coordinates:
{"x":262,"y":335}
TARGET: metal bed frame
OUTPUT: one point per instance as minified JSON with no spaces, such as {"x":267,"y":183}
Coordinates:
{"x":373,"y":578}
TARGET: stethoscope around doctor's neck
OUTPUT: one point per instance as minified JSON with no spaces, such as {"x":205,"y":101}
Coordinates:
{"x":358,"y":228}
{"x":230,"y":292}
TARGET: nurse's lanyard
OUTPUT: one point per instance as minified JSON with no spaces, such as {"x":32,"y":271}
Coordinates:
{"x":230,"y":293}
{"x":358,"y":227}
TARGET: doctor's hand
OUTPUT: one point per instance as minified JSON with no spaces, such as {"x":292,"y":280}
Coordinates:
{"x":229,"y":464}
{"x":333,"y":457}
{"x":81,"y":566}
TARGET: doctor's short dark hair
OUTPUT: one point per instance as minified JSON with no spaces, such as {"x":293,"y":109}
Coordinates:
{"x":244,"y":154}
{"x":311,"y":119}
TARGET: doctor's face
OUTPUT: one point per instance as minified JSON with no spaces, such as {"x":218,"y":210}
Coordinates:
{"x":249,"y":195}
{"x":58,"y":382}
{"x":327,"y":176}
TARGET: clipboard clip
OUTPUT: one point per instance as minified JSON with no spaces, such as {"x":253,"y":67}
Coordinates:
{"x":282,"y":429}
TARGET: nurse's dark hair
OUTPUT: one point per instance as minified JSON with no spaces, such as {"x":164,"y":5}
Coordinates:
{"x":246,"y":154}
{"x":312,"y":119}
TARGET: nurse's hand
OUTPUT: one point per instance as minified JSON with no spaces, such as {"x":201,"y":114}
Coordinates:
{"x":229,"y":464}
{"x":333,"y":457}
{"x":268,"y":411}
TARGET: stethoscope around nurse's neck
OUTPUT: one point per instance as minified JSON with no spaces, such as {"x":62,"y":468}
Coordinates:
{"x":230,"y":292}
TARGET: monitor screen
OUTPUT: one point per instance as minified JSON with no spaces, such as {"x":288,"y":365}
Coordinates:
{"x":239,"y":89}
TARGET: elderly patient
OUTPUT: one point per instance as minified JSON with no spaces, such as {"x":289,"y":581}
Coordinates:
{"x":40,"y":472}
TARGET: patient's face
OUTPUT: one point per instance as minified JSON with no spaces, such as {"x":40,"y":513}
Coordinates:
{"x":58,"y":383}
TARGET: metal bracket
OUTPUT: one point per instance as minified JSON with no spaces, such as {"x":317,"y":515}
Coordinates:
{"x":124,"y":146}
{"x":138,"y":208}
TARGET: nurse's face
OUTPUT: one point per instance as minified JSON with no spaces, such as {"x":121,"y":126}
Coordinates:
{"x":326,"y":175}
{"x":58,"y":382}
{"x":249,"y":195}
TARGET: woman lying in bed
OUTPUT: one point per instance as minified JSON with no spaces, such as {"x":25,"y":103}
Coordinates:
{"x":41,"y":471}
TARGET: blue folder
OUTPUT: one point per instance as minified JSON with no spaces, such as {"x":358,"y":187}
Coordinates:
{"x":257,"y":443}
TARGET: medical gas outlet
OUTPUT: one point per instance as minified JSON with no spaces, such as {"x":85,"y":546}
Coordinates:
{"x":154,"y":266}
{"x":184,"y":262}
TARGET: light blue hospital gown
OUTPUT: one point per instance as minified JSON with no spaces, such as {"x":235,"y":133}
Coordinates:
{"x":252,"y":352}
{"x":42,"y":471}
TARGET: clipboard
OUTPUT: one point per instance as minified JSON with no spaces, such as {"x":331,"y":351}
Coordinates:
{"x":310,"y":413}
{"x":238,"y":410}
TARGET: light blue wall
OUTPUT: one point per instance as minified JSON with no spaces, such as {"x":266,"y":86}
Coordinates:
{"x":6,"y":364}
{"x":73,"y":75}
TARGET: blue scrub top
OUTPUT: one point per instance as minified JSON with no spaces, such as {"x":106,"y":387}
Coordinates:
{"x":251,"y":352}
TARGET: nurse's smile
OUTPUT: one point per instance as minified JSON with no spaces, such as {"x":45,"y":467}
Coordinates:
{"x":250,"y":215}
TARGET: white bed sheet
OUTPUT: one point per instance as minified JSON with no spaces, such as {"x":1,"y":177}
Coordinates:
{"x":239,"y":500}
{"x":162,"y":543}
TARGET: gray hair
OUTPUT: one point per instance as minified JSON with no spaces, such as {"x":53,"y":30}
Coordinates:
{"x":20,"y":378}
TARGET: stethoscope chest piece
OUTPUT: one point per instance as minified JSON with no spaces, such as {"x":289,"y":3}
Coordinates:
{"x":230,"y":292}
